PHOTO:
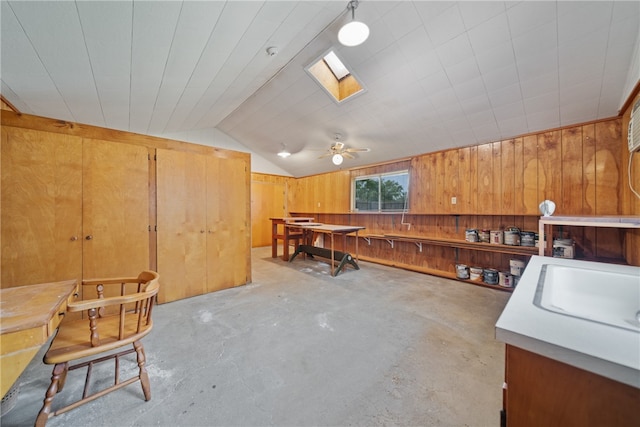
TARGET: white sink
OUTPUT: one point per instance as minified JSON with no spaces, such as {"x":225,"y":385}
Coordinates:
{"x":606,"y":297}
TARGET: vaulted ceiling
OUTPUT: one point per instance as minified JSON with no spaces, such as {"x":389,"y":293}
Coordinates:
{"x":437,"y":74}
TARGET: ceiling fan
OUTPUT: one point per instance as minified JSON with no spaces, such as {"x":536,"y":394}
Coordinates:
{"x":339,"y":151}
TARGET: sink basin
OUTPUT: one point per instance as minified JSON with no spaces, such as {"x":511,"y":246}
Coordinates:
{"x":610,"y":298}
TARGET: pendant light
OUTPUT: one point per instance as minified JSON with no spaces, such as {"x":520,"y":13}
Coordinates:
{"x":354,"y":32}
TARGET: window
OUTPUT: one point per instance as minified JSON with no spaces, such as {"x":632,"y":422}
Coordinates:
{"x":380,"y":193}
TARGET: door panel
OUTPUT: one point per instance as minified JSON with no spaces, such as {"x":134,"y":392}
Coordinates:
{"x":182,"y":237}
{"x":115,"y":209}
{"x":228,"y":243}
{"x":41,"y":207}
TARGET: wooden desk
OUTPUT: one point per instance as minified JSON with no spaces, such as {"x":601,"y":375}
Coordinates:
{"x":284,"y":236}
{"x":28,"y":317}
{"x":331,"y":230}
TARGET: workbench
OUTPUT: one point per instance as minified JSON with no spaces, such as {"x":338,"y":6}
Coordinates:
{"x":307,"y":247}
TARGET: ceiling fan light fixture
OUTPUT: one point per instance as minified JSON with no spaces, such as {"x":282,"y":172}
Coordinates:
{"x":284,"y":153}
{"x":337,"y":159}
{"x":355,"y":32}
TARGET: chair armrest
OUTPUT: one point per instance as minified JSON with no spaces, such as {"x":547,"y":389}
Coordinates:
{"x":110,"y":281}
{"x":107,"y":302}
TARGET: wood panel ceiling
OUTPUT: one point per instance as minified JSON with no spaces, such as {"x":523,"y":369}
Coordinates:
{"x":438,"y":74}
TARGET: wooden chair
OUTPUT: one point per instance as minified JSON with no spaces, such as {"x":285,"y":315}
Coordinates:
{"x":120,"y":314}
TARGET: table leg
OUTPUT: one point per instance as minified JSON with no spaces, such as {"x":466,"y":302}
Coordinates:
{"x":274,"y":240}
{"x":332,"y":257}
{"x":285,"y":249}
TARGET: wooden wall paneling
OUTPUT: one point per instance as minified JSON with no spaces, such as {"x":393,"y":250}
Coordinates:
{"x":182,"y":224}
{"x":608,"y":180}
{"x":550,"y":168}
{"x":496,"y":169}
{"x":530,"y":175}
{"x":507,"y":177}
{"x":485,"y":179}
{"x":267,"y":201}
{"x":572,"y":200}
{"x":589,"y":169}
{"x":452,"y":181}
{"x":468,"y":180}
{"x":609,"y":185}
{"x":419,"y":185}
{"x":115,"y":212}
{"x":519,"y":207}
{"x":441,"y":183}
{"x":294,"y":196}
{"x":41,"y":215}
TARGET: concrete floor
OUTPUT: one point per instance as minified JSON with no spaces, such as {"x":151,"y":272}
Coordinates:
{"x":374,"y":347}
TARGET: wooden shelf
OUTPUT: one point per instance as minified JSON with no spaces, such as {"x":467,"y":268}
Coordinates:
{"x":431,"y":271}
{"x":456,"y":243}
{"x":546,"y":224}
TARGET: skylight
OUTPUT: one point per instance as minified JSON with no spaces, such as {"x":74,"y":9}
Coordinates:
{"x":331,"y":73}
{"x":337,"y":67}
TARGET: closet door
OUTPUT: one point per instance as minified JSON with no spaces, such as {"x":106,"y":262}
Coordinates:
{"x":228,"y":223}
{"x":182,"y":228}
{"x":41,"y":192}
{"x":115,"y":209}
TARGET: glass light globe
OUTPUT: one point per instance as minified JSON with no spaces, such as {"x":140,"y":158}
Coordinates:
{"x":337,"y":159}
{"x":353,"y":33}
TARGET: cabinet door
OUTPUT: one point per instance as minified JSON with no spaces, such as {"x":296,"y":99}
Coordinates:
{"x":115,"y":209}
{"x":228,"y":216}
{"x":41,"y":207}
{"x":182,"y":238}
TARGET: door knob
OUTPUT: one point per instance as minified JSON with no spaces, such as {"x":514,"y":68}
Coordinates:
{"x":89,"y":237}
{"x":74,"y":238}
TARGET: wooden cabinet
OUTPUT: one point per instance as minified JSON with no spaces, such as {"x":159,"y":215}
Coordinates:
{"x":41,"y":207}
{"x":72,"y":208}
{"x":115,"y":209}
{"x":83,"y":202}
{"x":544,"y":392}
{"x":203,"y":221}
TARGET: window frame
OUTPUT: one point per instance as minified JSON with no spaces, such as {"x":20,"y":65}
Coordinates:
{"x":380,"y":177}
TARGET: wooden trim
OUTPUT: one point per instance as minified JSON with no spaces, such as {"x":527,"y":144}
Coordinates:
{"x":153,"y":211}
{"x":10,"y":105}
{"x":27,"y":121}
{"x":632,"y":96}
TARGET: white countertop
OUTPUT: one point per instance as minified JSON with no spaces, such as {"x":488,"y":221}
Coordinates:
{"x":605,"y":350}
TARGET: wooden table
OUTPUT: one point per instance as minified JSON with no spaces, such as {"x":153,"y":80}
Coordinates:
{"x":284,"y":236}
{"x":28,"y":317}
{"x":331,"y":230}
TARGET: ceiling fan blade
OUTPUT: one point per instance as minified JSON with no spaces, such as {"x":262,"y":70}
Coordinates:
{"x":325,"y":155}
{"x":347,"y":155}
{"x":357,"y":150}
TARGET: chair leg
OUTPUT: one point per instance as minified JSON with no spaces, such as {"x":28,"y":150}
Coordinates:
{"x":59,"y":370}
{"x":144,"y":377}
